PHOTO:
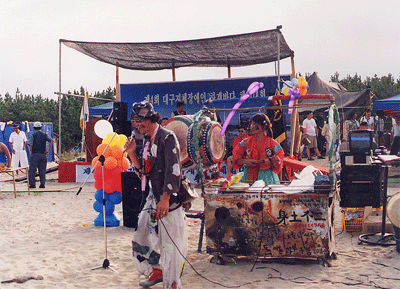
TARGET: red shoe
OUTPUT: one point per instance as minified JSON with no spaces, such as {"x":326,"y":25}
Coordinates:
{"x":155,"y":277}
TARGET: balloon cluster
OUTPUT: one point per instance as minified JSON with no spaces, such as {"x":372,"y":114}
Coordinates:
{"x":298,"y":88}
{"x":111,"y":166}
{"x":110,"y":201}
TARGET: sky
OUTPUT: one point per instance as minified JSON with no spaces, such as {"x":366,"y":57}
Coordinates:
{"x":347,"y":37}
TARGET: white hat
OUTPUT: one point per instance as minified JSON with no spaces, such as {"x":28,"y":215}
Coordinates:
{"x":37,"y":124}
{"x":393,"y":209}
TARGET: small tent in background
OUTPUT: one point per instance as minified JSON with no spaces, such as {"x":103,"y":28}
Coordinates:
{"x":346,"y":101}
{"x":389,"y":106}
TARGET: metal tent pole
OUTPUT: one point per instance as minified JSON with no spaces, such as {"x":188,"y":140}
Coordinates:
{"x":59,"y":104}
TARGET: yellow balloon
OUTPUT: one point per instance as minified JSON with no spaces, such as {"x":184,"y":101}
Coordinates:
{"x":110,"y":136}
{"x":285,"y":90}
{"x":122,"y":140}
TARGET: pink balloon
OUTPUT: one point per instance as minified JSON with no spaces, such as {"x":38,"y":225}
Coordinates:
{"x":251,"y":90}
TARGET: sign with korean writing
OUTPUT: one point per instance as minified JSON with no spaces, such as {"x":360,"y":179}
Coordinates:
{"x":268,"y":225}
{"x":164,"y":96}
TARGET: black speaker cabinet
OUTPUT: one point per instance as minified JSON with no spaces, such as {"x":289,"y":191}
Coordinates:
{"x":120,"y":112}
{"x":132,"y":198}
{"x":122,"y":127}
{"x":361,"y":186}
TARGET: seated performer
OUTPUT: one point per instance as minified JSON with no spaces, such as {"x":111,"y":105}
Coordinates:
{"x":260,"y":153}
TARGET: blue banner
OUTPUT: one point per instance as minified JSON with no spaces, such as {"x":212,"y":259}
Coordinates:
{"x":164,"y":96}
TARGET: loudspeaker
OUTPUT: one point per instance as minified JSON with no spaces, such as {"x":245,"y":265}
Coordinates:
{"x":122,"y":127}
{"x":361,"y":186}
{"x":132,"y":198}
{"x":120,"y":112}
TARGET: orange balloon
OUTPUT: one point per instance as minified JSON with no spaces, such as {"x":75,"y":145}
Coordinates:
{"x":94,"y":163}
{"x":125,"y":164}
{"x":110,"y":163}
{"x":303,"y":91}
{"x":100,"y":148}
{"x":117,"y":151}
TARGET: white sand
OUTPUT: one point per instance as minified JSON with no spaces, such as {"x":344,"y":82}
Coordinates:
{"x":43,"y":234}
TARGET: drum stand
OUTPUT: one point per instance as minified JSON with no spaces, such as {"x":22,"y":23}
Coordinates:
{"x":382,"y":238}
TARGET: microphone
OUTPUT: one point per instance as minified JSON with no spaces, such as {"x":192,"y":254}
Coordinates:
{"x":133,"y":133}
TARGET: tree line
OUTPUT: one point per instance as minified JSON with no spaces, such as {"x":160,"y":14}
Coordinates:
{"x":31,"y":108}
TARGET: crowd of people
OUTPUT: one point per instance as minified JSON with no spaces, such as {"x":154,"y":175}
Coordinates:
{"x":385,"y":135}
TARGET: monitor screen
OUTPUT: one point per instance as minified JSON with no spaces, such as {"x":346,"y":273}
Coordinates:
{"x":360,"y":141}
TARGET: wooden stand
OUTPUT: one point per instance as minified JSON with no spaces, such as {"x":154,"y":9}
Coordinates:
{"x":11,"y":172}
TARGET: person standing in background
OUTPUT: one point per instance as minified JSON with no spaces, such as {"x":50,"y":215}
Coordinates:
{"x":179,"y":109}
{"x":379,"y":127}
{"x":396,"y":137}
{"x":368,"y":119}
{"x":310,"y":131}
{"x":38,"y":160}
{"x":350,"y":124}
{"x":242,"y":135}
{"x":18,"y":144}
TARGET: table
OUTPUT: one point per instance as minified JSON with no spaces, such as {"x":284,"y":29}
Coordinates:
{"x":11,"y":172}
{"x":270,"y":225}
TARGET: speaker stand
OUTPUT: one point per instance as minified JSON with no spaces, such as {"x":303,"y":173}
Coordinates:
{"x":382,"y":238}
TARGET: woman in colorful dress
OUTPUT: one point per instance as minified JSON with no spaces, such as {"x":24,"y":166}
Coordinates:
{"x":260,"y":154}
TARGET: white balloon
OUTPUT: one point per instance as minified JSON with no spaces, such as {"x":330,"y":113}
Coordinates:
{"x":102,"y":128}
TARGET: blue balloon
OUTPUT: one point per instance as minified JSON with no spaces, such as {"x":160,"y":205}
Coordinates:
{"x":98,"y":206}
{"x":98,"y":195}
{"x":109,"y":208}
{"x":115,"y":197}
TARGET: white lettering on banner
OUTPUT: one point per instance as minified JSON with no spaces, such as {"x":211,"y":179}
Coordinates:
{"x":184,"y":97}
{"x":165,"y":99}
{"x":157,"y":99}
{"x":203,"y":97}
{"x":153,"y":99}
{"x":197,"y":97}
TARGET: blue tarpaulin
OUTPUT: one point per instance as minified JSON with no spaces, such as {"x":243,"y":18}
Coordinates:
{"x":27,"y":128}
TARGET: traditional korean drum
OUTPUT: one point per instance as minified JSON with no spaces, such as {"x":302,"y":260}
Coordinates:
{"x":180,"y":125}
{"x":211,"y":144}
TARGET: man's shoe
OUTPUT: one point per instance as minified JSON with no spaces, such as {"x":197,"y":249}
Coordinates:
{"x":150,"y":283}
{"x":155,"y":277}
{"x":310,"y":159}
{"x":321,"y":157}
{"x":42,"y":186}
{"x":32,"y":187}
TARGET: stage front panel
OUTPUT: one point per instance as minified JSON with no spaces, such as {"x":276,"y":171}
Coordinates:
{"x":273,"y":225}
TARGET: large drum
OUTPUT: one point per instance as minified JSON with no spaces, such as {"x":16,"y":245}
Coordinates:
{"x":211,"y":144}
{"x":180,"y":126}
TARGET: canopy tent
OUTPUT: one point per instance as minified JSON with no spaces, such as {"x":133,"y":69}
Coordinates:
{"x":389,"y":106}
{"x":235,"y":50}
{"x":103,"y":109}
{"x":230,"y":51}
{"x":346,"y":101}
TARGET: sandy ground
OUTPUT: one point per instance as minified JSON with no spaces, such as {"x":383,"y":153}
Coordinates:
{"x":45,"y":234}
